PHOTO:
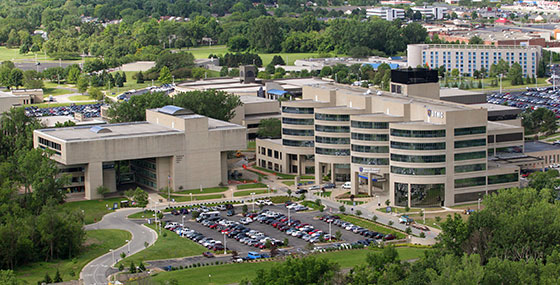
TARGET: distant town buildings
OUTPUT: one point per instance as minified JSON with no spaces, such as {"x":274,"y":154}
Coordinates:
{"x":386,"y":13}
{"x":431,"y":12}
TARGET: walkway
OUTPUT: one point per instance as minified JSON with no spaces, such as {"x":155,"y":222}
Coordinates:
{"x":96,"y":271}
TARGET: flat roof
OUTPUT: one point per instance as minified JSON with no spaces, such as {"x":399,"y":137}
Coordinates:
{"x":493,"y":125}
{"x":537,"y":146}
{"x":495,"y":107}
{"x":248,"y":99}
{"x":450,"y":92}
{"x":217,"y":124}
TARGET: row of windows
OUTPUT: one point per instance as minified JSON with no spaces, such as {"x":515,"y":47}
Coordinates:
{"x":470,"y":143}
{"x":263,"y":163}
{"x":144,"y":164}
{"x":144,"y":172}
{"x":297,"y":143}
{"x":503,"y":178}
{"x":332,"y":117}
{"x":418,"y":171}
{"x":418,"y":158}
{"x":293,"y":121}
{"x":146,"y":182}
{"x":418,"y":146}
{"x":470,"y":167}
{"x":331,"y":140}
{"x":268,"y":152}
{"x":49,"y":143}
{"x":297,"y":110}
{"x":479,"y":181}
{"x":369,"y":137}
{"x":332,"y":129}
{"x":332,"y":151}
{"x":470,"y":155}
{"x":370,"y":161}
{"x":296,"y":132}
{"x":369,"y":125}
{"x":370,"y":149}
{"x":418,"y":133}
{"x":72,"y":169}
{"x":470,"y":131}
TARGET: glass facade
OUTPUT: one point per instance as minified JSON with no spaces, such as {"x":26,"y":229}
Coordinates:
{"x":470,"y":131}
{"x":469,"y":197}
{"x":370,"y":160}
{"x":427,"y":195}
{"x":418,"y":158}
{"x":369,"y":137}
{"x":332,"y":151}
{"x":369,"y":125}
{"x":509,"y":150}
{"x":470,"y":182}
{"x":296,"y":132}
{"x":401,"y":194}
{"x":370,"y":149}
{"x":297,"y":143}
{"x":503,"y":178}
{"x":470,"y":155}
{"x":331,"y":140}
{"x":470,"y":143}
{"x":418,"y":146}
{"x":297,"y":110}
{"x":293,"y":121}
{"x":418,"y":133}
{"x":470,"y":167}
{"x":332,"y":117}
{"x":418,"y":171}
{"x":332,"y":129}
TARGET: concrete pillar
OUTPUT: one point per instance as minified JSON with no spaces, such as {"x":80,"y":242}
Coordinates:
{"x":93,"y":179}
{"x":355,"y":180}
{"x":163,"y":173}
{"x":318,"y":173}
{"x":332,"y":173}
{"x":370,"y":184}
{"x":224,"y":168}
{"x":408,"y":195}
{"x":110,"y":179}
{"x":299,"y":165}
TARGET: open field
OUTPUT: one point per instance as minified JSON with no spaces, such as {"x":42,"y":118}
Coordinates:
{"x":94,"y":210}
{"x":98,"y":242}
{"x":80,"y":98}
{"x":506,"y":84}
{"x":55,"y":91}
{"x":13,"y":54}
{"x":233,"y":273}
{"x":251,"y":186}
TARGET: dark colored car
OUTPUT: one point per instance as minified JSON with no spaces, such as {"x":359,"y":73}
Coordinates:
{"x":301,"y":191}
{"x":230,"y":213}
{"x":208,"y":254}
{"x":329,"y":186}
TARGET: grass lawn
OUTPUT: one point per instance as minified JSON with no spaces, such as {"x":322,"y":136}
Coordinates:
{"x":251,"y":186}
{"x":55,"y":91}
{"x":348,"y":202}
{"x":142,"y":215}
{"x":52,"y":105}
{"x":204,"y":190}
{"x":13,"y":54}
{"x":248,"y":193}
{"x":170,"y":246}
{"x":80,"y":98}
{"x":251,"y":145}
{"x":93,"y":209}
{"x":325,"y":194}
{"x":291,"y":183}
{"x":370,"y":225}
{"x":313,"y":205}
{"x":233,"y":273}
{"x":196,"y":198}
{"x":399,"y":210}
{"x":281,"y":175}
{"x":506,"y":84}
{"x":98,"y":242}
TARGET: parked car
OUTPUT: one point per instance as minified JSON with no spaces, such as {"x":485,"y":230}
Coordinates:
{"x":347,"y":185}
{"x":208,"y":254}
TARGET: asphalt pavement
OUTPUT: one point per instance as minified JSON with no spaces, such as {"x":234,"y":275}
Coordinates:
{"x":96,"y":271}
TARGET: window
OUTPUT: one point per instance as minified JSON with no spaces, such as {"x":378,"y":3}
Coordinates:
{"x":332,"y":117}
{"x":509,"y":137}
{"x":297,"y":143}
{"x":470,"y":182}
{"x":490,"y":152}
{"x":426,"y":195}
{"x":369,"y":137}
{"x":50,"y":144}
{"x":370,"y":149}
{"x":470,"y":143}
{"x":332,"y":140}
{"x":417,"y":158}
{"x":401,"y":194}
{"x":417,"y":171}
{"x":276,"y":154}
{"x":470,"y":167}
{"x":417,"y":146}
{"x":503,"y":178}
{"x":470,"y":155}
{"x":491,"y":139}
{"x":293,"y":121}
{"x":294,"y":132}
{"x":332,"y":151}
{"x":332,"y":129}
{"x":470,"y":131}
{"x":418,"y":133}
{"x":369,"y":125}
{"x":269,"y":153}
{"x":370,"y":161}
{"x":509,"y":150}
{"x":297,"y":110}
{"x":469,"y":197}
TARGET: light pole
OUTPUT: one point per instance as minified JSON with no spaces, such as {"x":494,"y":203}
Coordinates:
{"x":501,"y":76}
{"x":128,"y":243}
{"x":479,"y":204}
{"x":424,"y":215}
{"x":289,"y":220}
{"x":191,"y":196}
{"x":253,"y":198}
{"x":169,"y":189}
{"x":112,"y":254}
{"x":225,"y":243}
{"x":183,"y":220}
{"x":173,"y":76}
{"x":330,"y":230}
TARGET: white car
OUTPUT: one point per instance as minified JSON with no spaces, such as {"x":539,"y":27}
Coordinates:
{"x":347,"y":185}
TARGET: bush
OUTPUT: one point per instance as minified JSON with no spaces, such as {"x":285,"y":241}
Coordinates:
{"x":342,"y":209}
{"x":422,"y":235}
{"x":358,"y":212}
{"x":408,"y":230}
{"x":391,"y":223}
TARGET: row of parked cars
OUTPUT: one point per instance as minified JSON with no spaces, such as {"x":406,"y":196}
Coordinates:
{"x":195,"y":236}
{"x":335,"y":220}
{"x":295,"y":206}
{"x":292,"y":227}
{"x":89,"y":111}
{"x":532,"y":98}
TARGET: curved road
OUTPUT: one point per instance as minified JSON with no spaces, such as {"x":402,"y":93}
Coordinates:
{"x":95,"y":272}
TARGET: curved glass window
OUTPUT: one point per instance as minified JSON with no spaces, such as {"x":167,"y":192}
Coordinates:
{"x":417,"y":146}
{"x":294,"y":121}
{"x":470,"y":167}
{"x":296,"y":132}
{"x":297,"y":110}
{"x":426,"y":195}
{"x":370,"y":161}
{"x":470,"y":131}
{"x":503,"y":178}
{"x":470,"y":182}
{"x":332,"y":117}
{"x":401,"y":194}
{"x":332,"y":151}
{"x":369,"y":125}
{"x":418,"y":133}
{"x":287,"y":142}
{"x":470,"y":155}
{"x":418,"y":171}
{"x":470,"y":143}
{"x":370,"y":149}
{"x":332,"y":129}
{"x":418,"y":158}
{"x":369,"y":137}
{"x":331,"y":140}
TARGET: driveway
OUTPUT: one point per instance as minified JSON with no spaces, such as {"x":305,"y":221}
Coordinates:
{"x":96,"y":271}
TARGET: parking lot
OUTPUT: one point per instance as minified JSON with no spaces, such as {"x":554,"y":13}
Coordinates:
{"x":89,"y":110}
{"x":532,"y":98}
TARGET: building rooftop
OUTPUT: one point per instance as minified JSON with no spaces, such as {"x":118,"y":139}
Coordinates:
{"x":537,"y":146}
{"x":373,"y":115}
{"x":495,"y":107}
{"x":248,"y":99}
{"x":494,"y":126}
{"x":449,"y":92}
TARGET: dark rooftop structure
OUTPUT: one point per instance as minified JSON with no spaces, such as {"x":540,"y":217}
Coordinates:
{"x":414,"y":76}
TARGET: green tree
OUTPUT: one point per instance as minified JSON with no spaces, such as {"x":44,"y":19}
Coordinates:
{"x":102,"y":190}
{"x":8,"y":277}
{"x":270,"y":128}
{"x":277,"y":60}
{"x":73,"y":74}
{"x":306,"y":270}
{"x":57,"y":277}
{"x":238,"y":43}
{"x":266,"y":35}
{"x":212,"y":103}
{"x":342,"y":209}
{"x":132,"y":268}
{"x":95,"y":94}
{"x":476,"y":40}
{"x":82,"y":84}
{"x":515,"y":74}
{"x":139,"y":77}
{"x":165,"y":76}
{"x":245,"y":209}
{"x":544,"y":180}
{"x":16,"y":78}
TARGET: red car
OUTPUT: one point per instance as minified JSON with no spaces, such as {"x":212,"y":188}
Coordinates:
{"x":208,"y":254}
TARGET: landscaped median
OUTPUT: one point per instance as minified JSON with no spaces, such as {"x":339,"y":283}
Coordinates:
{"x":94,"y":210}
{"x":248,"y":192}
{"x":372,"y":226}
{"x":251,"y":186}
{"x":196,"y":197}
{"x":204,"y":190}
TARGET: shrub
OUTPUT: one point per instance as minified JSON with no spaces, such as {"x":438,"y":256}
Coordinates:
{"x":422,"y":235}
{"x":391,"y":223}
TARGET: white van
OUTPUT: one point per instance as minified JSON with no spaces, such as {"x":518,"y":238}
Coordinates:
{"x":209,"y":215}
{"x":347,"y":185}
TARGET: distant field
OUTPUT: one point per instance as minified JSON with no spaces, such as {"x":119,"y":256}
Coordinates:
{"x":248,"y":193}
{"x":80,"y":98}
{"x":55,"y":91}
{"x":94,"y":210}
{"x":204,"y":190}
{"x":13,"y":54}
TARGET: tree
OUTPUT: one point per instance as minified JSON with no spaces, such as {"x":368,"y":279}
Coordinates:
{"x":414,"y":33}
{"x":338,"y":235}
{"x":165,"y":76}
{"x":358,"y":212}
{"x":8,"y":277}
{"x":270,"y":128}
{"x":245,"y":209}
{"x":119,"y":81}
{"x":212,"y":103}
{"x":73,"y":74}
{"x":102,"y":190}
{"x":135,"y":108}
{"x":238,"y":43}
{"x":95,"y":93}
{"x":82,"y":84}
{"x":141,"y":267}
{"x":266,"y":35}
{"x":455,"y":72}
{"x":476,"y":40}
{"x":57,"y":277}
{"x":342,"y":209}
{"x":139,"y":77}
{"x":515,"y":74}
{"x":277,"y":60}
{"x":16,"y":78}
{"x":132,"y":268}
{"x":544,"y":180}
{"x":306,"y":270}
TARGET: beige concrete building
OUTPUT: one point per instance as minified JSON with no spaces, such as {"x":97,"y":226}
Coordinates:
{"x":468,"y":58}
{"x":19,"y":97}
{"x":174,"y":148}
{"x":408,"y":143}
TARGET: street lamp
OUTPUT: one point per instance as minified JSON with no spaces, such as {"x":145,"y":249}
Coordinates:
{"x":424,"y":215}
{"x":330,"y":230}
{"x":112,"y":254}
{"x":253,"y":198}
{"x":225,"y":243}
{"x":191,"y":196}
{"x":183,"y":220}
{"x":128,"y":243}
{"x":289,"y":220}
{"x":479,"y":203}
